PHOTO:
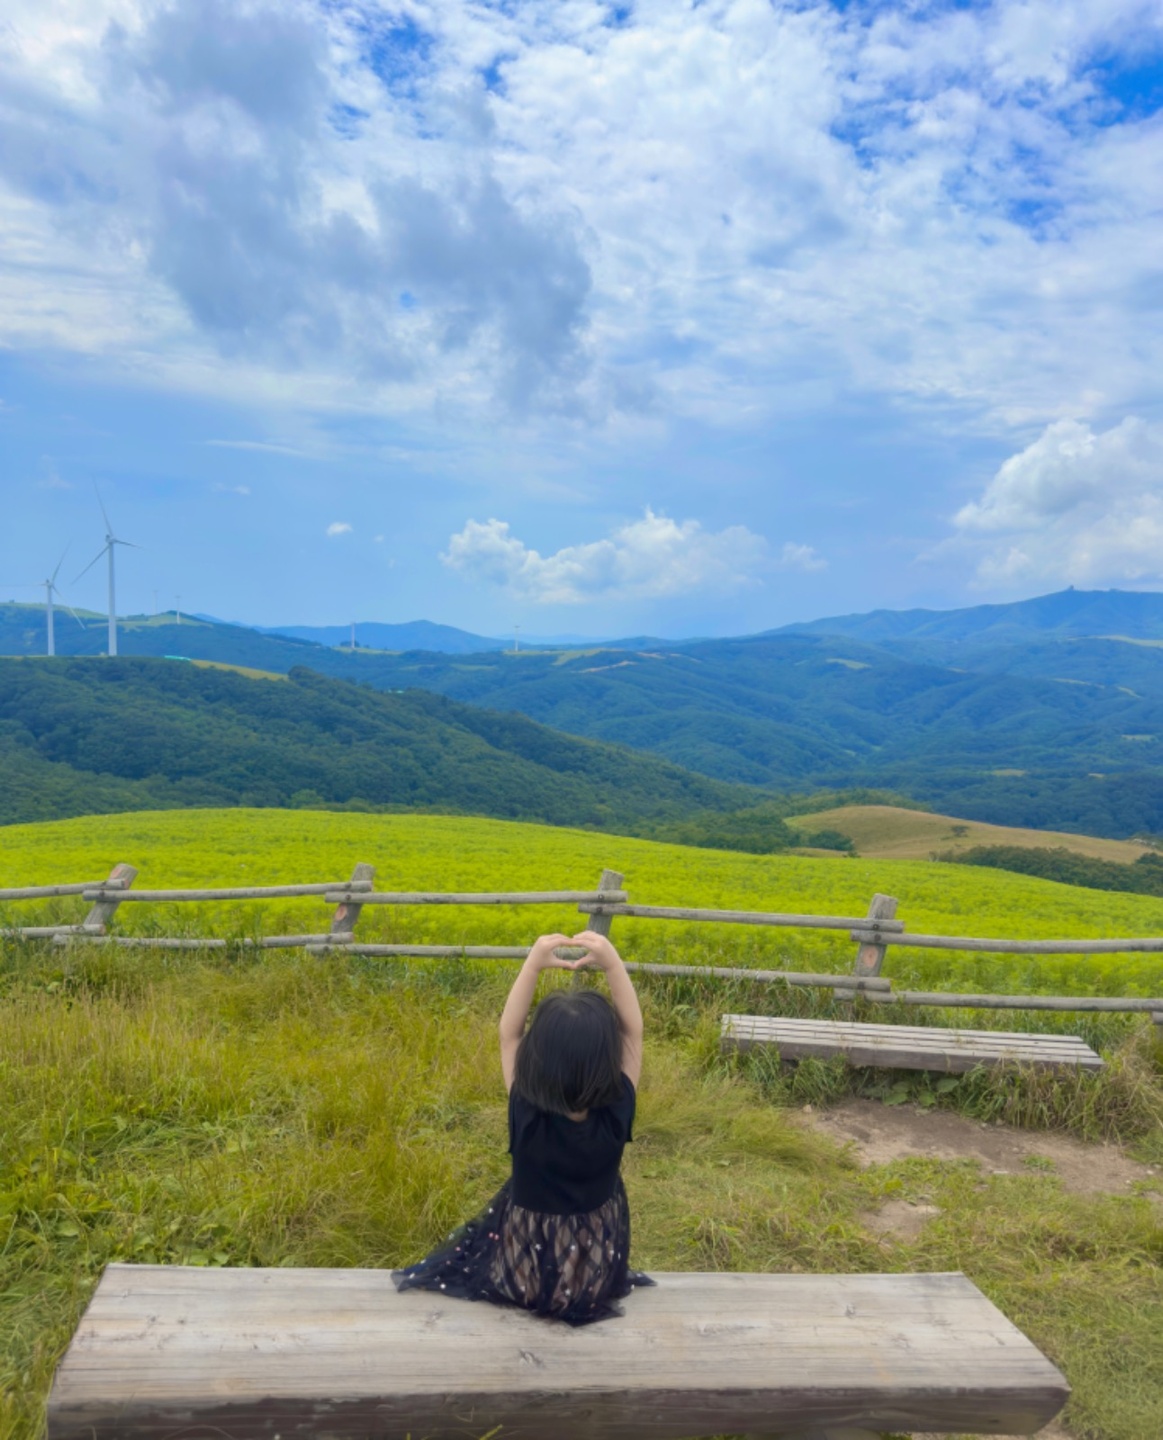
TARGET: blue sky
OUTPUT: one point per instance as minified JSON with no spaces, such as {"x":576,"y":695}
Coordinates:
{"x":590,"y":318}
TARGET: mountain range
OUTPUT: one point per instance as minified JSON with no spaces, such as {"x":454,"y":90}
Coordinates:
{"x":1045,"y":713}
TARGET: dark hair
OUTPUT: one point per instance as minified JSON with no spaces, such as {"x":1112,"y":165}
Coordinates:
{"x":570,"y":1058}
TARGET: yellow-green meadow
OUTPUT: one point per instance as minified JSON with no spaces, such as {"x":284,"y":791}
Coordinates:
{"x":277,"y":1108}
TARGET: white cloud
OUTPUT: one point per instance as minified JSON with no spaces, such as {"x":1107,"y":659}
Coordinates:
{"x":231,"y":489}
{"x":651,"y":558}
{"x":801,"y":557}
{"x":1074,"y":507}
{"x":260,"y":445}
{"x":338,"y":527}
{"x":678,"y":214}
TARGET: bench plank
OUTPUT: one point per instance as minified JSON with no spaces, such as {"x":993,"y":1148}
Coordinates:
{"x":265,"y":1353}
{"x":904,"y":1047}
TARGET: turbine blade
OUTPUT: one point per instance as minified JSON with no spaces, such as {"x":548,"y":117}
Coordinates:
{"x":108,"y":527}
{"x":92,"y":562}
{"x":75,"y":616}
{"x":60,"y":562}
{"x":129,"y":543}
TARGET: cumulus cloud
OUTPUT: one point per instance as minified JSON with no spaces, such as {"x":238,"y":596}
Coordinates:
{"x":338,"y":527}
{"x":801,"y":557}
{"x":651,"y":558}
{"x":682,"y":211}
{"x":1074,"y":507}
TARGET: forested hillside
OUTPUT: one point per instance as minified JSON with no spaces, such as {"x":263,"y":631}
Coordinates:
{"x":82,"y":736}
{"x":1059,"y":733}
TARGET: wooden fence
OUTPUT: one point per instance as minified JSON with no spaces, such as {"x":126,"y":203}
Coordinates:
{"x":873,"y":933}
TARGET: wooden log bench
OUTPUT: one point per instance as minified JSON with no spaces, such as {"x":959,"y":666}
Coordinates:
{"x":173,"y":1350}
{"x":904,"y":1047}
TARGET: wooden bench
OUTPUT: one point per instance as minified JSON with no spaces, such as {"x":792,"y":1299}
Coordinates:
{"x":904,"y":1047}
{"x":172,"y":1350}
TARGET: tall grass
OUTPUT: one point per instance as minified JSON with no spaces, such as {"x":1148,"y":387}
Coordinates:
{"x":280,"y":1110}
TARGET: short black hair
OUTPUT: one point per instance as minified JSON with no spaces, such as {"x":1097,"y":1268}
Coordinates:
{"x":570,"y":1058}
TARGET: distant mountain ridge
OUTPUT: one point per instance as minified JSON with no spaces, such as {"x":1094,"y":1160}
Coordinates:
{"x":955,"y":708}
{"x":1066,"y":614}
{"x":411,"y":635}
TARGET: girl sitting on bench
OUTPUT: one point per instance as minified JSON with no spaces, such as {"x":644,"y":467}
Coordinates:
{"x":556,"y":1238}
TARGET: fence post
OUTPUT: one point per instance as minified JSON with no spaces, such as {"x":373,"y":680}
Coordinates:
{"x":870,"y":956}
{"x":611,"y":880}
{"x":121,"y":877}
{"x":344,"y":920}
{"x":600,"y":924}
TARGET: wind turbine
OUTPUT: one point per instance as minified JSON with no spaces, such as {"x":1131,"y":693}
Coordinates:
{"x":50,"y":589}
{"x":111,"y":542}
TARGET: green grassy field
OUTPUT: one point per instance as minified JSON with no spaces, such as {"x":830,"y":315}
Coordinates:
{"x":419,"y":852}
{"x":280,"y":1109}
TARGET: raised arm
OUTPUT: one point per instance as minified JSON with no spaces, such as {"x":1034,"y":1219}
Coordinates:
{"x":602,"y":956}
{"x":516,"y":1011}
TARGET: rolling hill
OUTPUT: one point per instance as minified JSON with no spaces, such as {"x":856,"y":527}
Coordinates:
{"x":1058,"y":733}
{"x":889,"y":832}
{"x":80,"y":736}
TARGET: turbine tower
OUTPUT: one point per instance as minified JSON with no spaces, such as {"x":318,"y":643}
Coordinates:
{"x":50,"y":589}
{"x":111,"y":542}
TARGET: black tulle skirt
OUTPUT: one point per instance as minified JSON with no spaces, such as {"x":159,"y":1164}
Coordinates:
{"x":568,"y":1267}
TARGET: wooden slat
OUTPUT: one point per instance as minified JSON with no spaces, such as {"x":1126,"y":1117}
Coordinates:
{"x":877,"y":985}
{"x":749,"y":917}
{"x":198,"y":942}
{"x":500,"y":897}
{"x":257,"y":1353}
{"x":1099,"y":1003}
{"x":904,"y":1047}
{"x":44,"y":932}
{"x":993,"y":946}
{"x":334,"y":891}
{"x":46,"y":892}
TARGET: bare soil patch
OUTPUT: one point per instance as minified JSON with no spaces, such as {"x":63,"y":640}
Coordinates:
{"x":883,"y":1133}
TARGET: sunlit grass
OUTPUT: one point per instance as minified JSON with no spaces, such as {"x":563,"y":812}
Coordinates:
{"x":423,"y":852}
{"x":282,"y":1110}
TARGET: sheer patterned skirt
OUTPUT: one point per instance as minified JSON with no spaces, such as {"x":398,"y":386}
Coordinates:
{"x":569,"y":1267}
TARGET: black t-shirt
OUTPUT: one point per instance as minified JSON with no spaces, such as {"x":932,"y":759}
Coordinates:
{"x":563,"y":1166}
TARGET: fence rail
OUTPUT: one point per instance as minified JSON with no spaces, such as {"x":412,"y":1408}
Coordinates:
{"x":873,"y":933}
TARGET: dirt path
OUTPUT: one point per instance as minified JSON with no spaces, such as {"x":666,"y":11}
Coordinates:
{"x":882,"y":1133}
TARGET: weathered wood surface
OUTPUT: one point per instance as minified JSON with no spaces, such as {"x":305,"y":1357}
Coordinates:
{"x":873,"y":984}
{"x":45,"y":932}
{"x":870,"y":955}
{"x":951,"y":999}
{"x":500,"y":897}
{"x":197,"y":942}
{"x":121,"y":877}
{"x":609,"y":883}
{"x":905,"y":1047}
{"x":346,"y":917}
{"x":746,"y":917}
{"x":992,"y":946}
{"x":258,"y":1353}
{"x":334,"y":892}
{"x":46,"y":892}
